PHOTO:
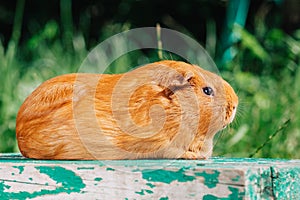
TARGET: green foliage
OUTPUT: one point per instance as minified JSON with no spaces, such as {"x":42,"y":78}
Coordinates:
{"x":264,"y":72}
{"x":266,"y":75}
{"x":9,"y":75}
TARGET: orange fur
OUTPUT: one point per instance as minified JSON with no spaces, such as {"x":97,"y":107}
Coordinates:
{"x":155,"y":111}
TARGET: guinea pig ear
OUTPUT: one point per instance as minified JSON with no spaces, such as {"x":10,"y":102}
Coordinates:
{"x":181,"y":80}
{"x":188,"y":76}
{"x":173,"y":81}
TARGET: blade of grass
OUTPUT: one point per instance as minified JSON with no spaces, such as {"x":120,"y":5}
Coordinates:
{"x":281,"y":128}
{"x":159,"y":42}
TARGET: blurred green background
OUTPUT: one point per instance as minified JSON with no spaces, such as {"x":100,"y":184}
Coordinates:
{"x":255,"y":44}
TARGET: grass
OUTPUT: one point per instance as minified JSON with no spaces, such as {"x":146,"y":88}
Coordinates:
{"x":268,"y":124}
{"x":265,"y":73}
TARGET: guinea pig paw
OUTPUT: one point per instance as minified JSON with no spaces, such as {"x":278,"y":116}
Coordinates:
{"x":190,"y":155}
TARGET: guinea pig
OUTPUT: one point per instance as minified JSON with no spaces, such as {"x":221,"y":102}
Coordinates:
{"x":167,"y":109}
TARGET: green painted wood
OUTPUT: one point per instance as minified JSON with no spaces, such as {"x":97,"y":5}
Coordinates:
{"x":216,"y":178}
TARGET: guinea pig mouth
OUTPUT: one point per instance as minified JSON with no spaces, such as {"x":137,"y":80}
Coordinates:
{"x":232,"y":115}
{"x":229,"y":119}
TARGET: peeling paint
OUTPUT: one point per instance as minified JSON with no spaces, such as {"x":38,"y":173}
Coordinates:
{"x":85,"y":168}
{"x":150,"y":185}
{"x":166,"y":176}
{"x":286,"y":182}
{"x":164,"y":198}
{"x":235,"y":194}
{"x":144,"y":191}
{"x":20,"y":168}
{"x":98,"y":179}
{"x":3,"y":187}
{"x":210,"y":179}
{"x":68,"y":183}
{"x":216,"y":178}
{"x":236,"y":179}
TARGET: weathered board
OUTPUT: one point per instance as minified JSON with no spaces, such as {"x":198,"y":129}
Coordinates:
{"x":216,"y":178}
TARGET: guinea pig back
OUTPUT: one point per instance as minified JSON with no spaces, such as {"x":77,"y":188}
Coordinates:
{"x":166,"y":109}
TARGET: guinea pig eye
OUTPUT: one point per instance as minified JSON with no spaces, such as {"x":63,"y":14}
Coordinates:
{"x":208,"y":91}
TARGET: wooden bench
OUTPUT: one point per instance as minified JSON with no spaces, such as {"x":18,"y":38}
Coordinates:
{"x":216,"y":178}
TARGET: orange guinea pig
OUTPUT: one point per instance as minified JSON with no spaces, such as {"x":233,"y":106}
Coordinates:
{"x":166,"y":109}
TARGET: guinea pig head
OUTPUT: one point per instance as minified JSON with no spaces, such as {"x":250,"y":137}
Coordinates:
{"x":218,"y":101}
{"x":208,"y":104}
